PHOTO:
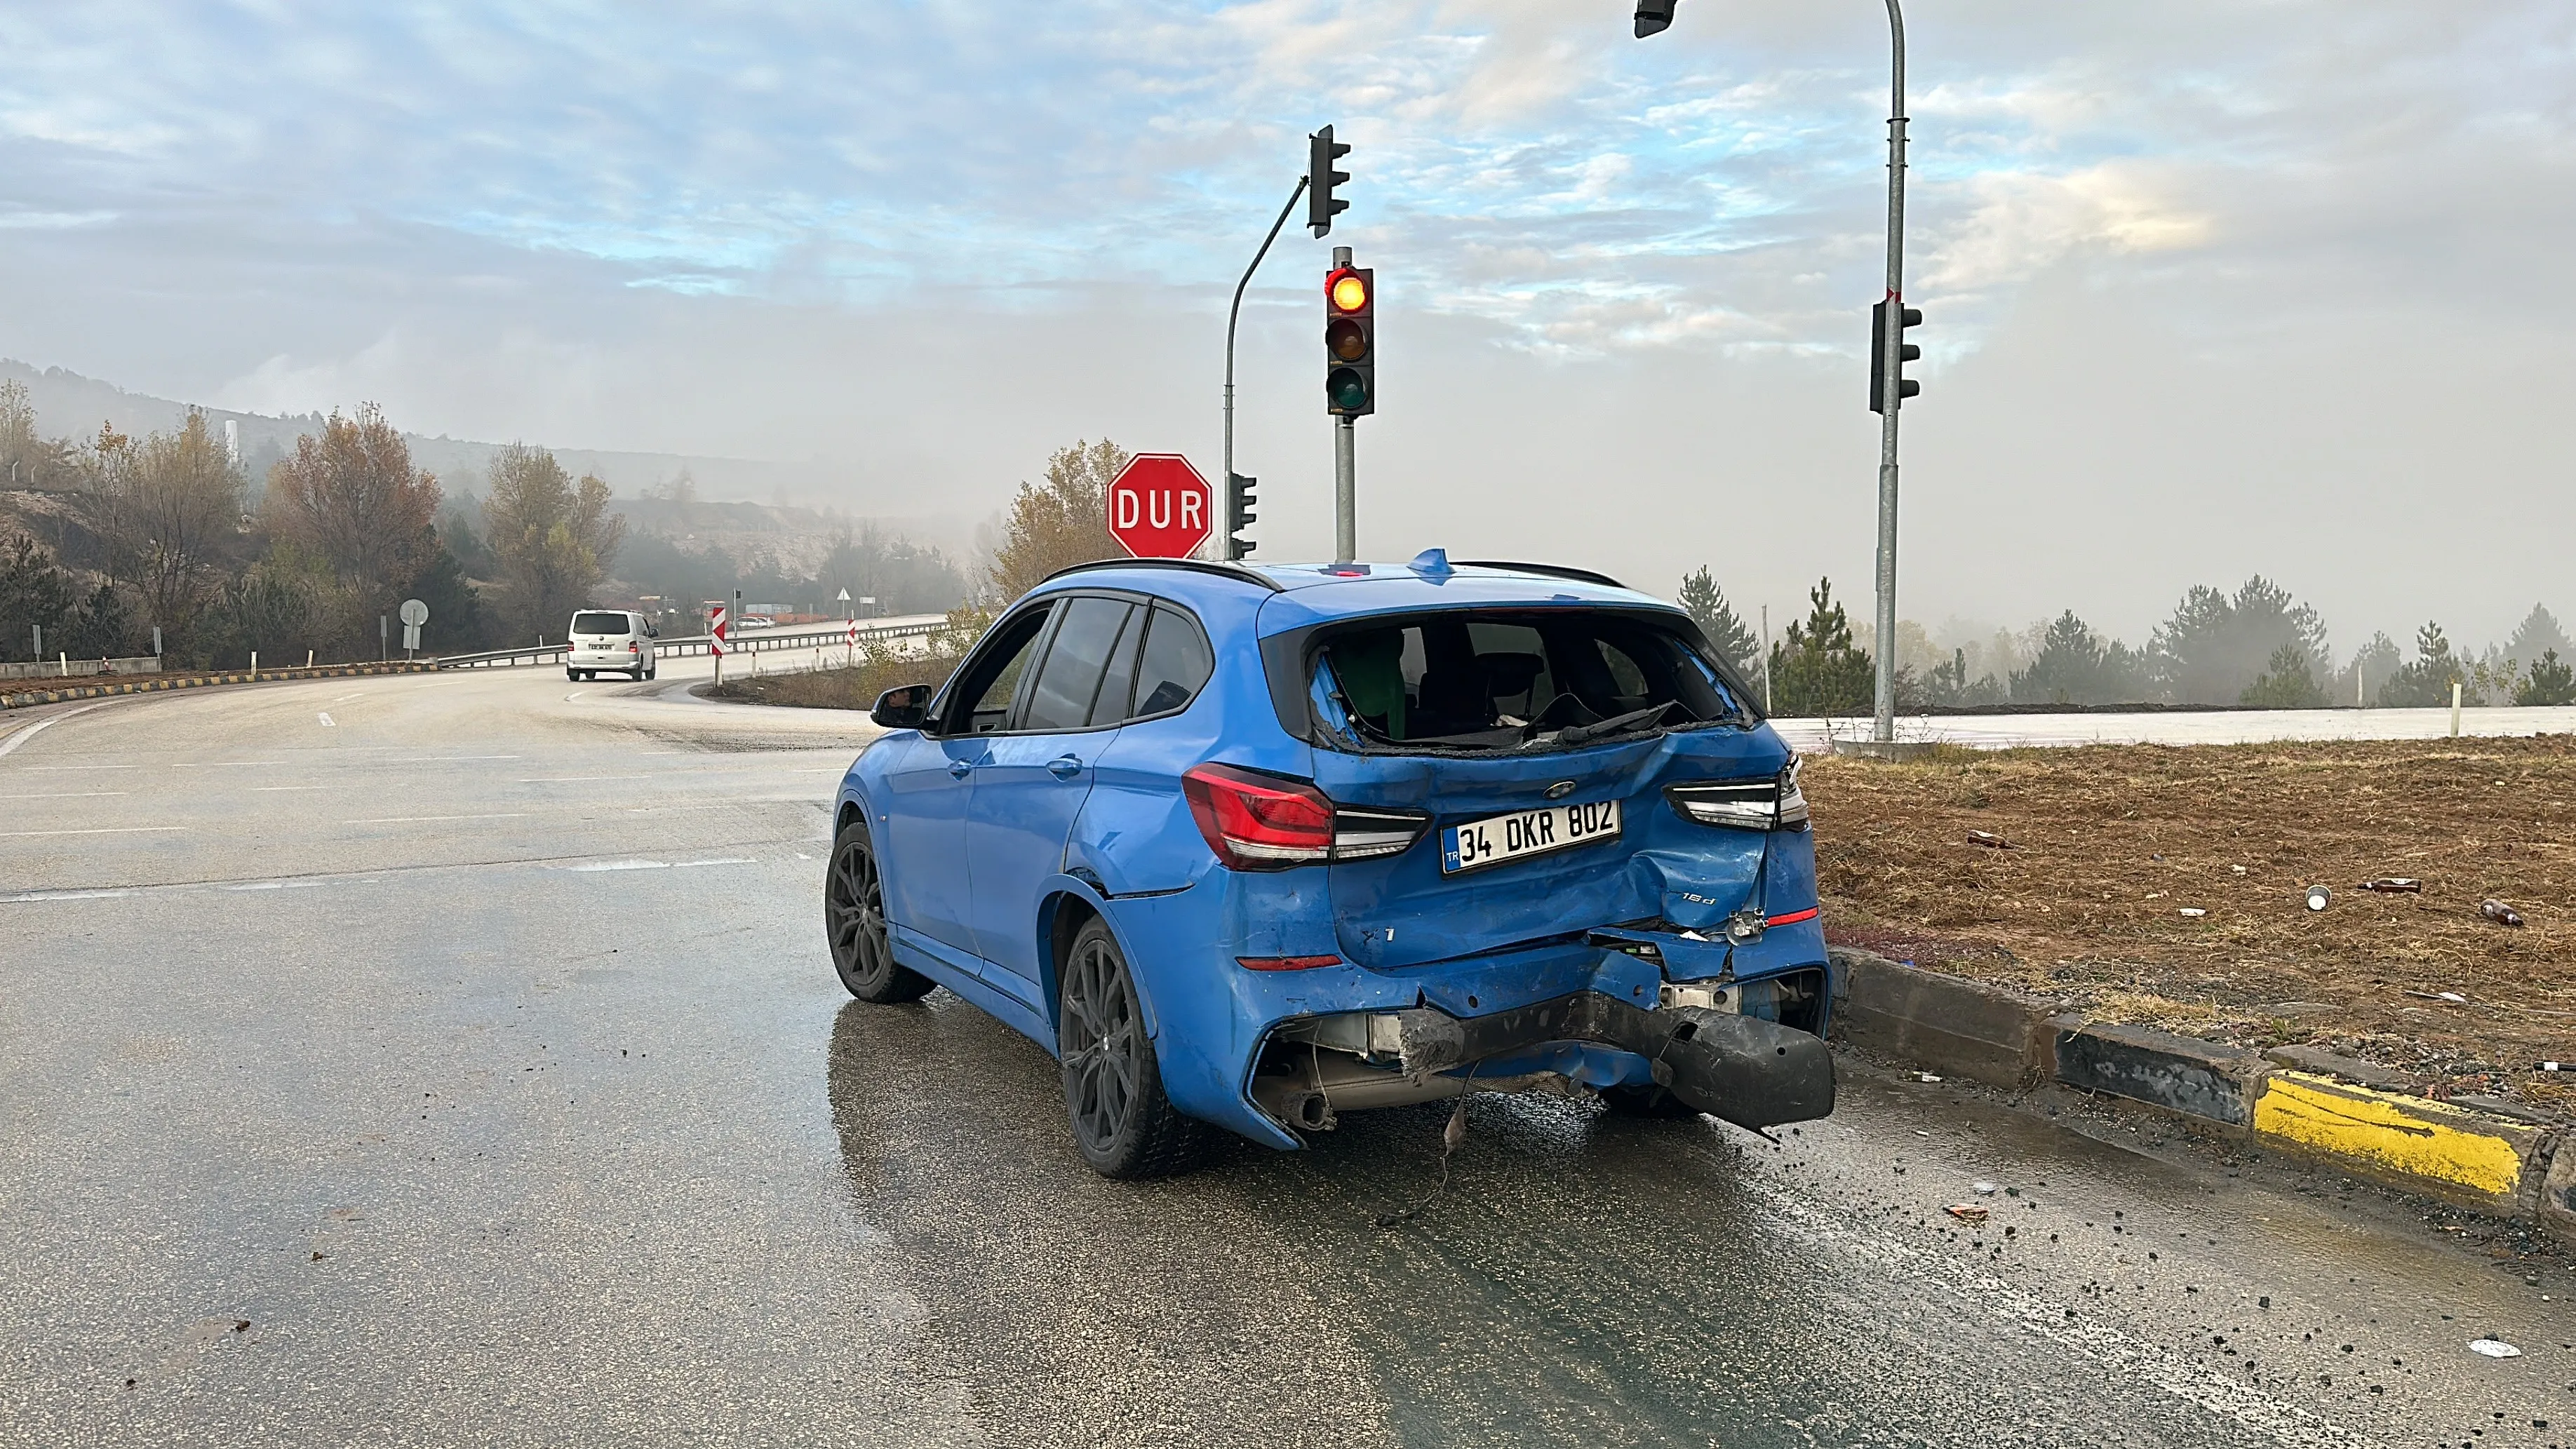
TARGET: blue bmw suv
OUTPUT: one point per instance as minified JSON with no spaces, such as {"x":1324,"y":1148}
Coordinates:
{"x":1248,"y":848}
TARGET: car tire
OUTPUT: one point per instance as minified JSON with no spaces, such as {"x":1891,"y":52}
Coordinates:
{"x":854,"y":924}
{"x":573,"y":674}
{"x":1123,"y":1124}
{"x":1648,"y":1101}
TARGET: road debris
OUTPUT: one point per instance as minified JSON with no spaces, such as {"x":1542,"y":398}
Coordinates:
{"x":1926,"y":1077}
{"x":1966,"y":1212}
{"x":2319,"y":897}
{"x":1990,"y":840}
{"x":2453,"y":997}
{"x":2500,"y":913}
{"x":2494,"y":1348}
{"x":2394,"y":885}
{"x":1983,"y":1189}
{"x":2194,"y":911}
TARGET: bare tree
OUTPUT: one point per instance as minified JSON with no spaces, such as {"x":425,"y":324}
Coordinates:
{"x":26,"y":460}
{"x":351,"y":498}
{"x":165,"y":510}
{"x":553,"y":537}
{"x":1062,"y":524}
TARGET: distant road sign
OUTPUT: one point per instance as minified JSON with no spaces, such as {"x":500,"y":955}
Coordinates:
{"x":1159,"y":507}
{"x":414,"y":612}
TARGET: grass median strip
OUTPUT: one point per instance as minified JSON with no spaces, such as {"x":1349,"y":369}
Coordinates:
{"x":2106,"y":852}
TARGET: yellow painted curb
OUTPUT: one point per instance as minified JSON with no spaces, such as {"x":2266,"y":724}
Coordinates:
{"x":2410,"y":1135}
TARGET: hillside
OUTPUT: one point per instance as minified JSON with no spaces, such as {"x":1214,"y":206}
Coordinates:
{"x":728,"y":490}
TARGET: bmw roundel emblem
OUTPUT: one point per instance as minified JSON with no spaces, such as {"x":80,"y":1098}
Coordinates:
{"x":1560,"y":789}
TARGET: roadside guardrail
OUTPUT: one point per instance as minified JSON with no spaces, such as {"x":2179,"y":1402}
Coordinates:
{"x":749,"y":641}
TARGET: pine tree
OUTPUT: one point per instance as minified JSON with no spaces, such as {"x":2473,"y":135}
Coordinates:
{"x":2286,"y":683}
{"x":2425,"y":682}
{"x":1815,"y":669}
{"x":1701,"y":599}
{"x":2548,"y":681}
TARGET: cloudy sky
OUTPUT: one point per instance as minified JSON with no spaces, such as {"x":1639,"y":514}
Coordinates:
{"x":2213,"y":288}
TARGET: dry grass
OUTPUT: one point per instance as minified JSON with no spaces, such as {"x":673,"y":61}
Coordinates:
{"x":2114,"y":841}
{"x":850,"y":688}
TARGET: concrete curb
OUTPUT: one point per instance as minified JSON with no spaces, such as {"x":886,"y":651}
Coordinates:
{"x":27,"y":698}
{"x":2299,"y":1101}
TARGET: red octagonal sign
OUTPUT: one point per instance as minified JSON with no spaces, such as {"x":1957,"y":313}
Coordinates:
{"x":1160,"y":507}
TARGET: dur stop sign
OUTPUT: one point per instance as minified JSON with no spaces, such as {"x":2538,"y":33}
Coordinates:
{"x":1160,"y":507}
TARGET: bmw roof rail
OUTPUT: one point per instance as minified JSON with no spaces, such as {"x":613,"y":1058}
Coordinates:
{"x":1559,"y":571}
{"x":1234,"y":571}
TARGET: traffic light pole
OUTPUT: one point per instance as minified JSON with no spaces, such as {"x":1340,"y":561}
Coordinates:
{"x":1346,"y":532}
{"x":1236,"y":311}
{"x":1884,"y":729}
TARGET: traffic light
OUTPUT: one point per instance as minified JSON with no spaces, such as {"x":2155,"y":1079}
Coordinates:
{"x":1905,"y":386}
{"x":1350,"y":342}
{"x":1238,"y":514}
{"x":1321,"y":206}
{"x":1653,"y":16}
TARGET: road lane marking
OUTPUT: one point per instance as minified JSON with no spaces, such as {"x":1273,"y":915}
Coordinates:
{"x":595,"y":865}
{"x":54,"y":768}
{"x":20,"y":737}
{"x":433,"y":759}
{"x":266,"y":788}
{"x":417,"y":819}
{"x":344,"y":699}
{"x":719,"y":860}
{"x":65,"y":896}
{"x":566,"y":779}
{"x":206,"y":764}
{"x":100,"y":830}
{"x":325,"y":716}
{"x":274,"y":885}
{"x":69,"y":795}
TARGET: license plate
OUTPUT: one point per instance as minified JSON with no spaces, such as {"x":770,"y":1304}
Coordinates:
{"x":1524,"y":833}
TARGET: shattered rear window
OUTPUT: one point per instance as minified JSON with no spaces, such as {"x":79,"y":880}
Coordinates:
{"x":1499,"y":681}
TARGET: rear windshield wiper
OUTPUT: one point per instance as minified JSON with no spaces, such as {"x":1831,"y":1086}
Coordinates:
{"x":1573,"y":735}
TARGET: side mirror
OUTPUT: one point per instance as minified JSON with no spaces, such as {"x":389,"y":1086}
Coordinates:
{"x":650,"y":632}
{"x":903,"y":709}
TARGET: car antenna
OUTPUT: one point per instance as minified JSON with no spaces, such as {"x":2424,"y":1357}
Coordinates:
{"x":1451,"y":1134}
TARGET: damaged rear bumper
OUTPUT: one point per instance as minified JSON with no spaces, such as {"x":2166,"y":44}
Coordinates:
{"x":1744,"y":1069}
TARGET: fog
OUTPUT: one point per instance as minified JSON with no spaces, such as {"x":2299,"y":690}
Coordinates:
{"x":2212,"y":296}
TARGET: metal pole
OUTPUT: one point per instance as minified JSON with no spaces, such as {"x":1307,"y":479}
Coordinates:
{"x":1893,"y":343}
{"x":1346,"y":531}
{"x":1230,"y":315}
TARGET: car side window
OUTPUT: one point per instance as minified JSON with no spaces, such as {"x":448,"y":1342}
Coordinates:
{"x":1118,"y":686}
{"x":1070,"y":678}
{"x":1175,"y":664}
{"x":982,"y":703}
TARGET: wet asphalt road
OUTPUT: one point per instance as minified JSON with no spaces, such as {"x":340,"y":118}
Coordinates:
{"x":467,"y":1069}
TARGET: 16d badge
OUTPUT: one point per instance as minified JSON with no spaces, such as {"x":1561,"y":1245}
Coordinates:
{"x":1524,"y":833}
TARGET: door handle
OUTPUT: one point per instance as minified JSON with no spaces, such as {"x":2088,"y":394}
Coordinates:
{"x":1064,"y":767}
{"x":957,"y":769}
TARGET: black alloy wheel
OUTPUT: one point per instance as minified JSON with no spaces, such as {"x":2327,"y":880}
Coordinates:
{"x":1113,"y":1087}
{"x":854,"y":922}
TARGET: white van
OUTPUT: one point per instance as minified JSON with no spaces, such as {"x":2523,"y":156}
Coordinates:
{"x":610,"y":641}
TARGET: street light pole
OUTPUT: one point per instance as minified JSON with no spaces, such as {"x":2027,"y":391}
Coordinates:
{"x":1653,"y":17}
{"x":1885,"y":728}
{"x":1235,"y":311}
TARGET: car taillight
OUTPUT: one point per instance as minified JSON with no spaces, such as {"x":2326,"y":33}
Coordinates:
{"x":1773,"y":804}
{"x":1271,"y":822}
